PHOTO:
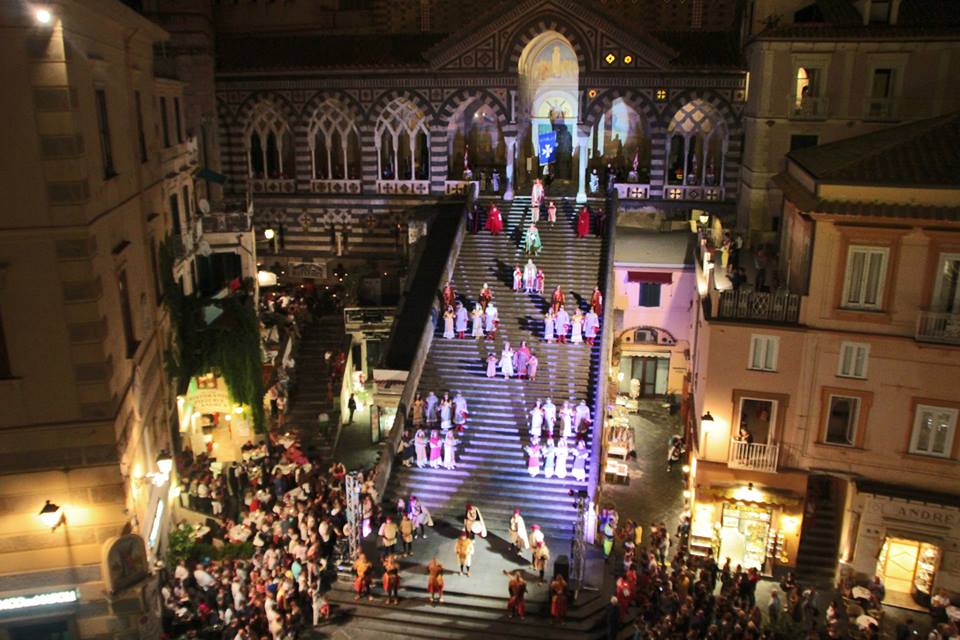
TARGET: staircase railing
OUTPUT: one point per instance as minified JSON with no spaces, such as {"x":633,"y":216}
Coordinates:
{"x":606,"y":335}
{"x":385,"y":464}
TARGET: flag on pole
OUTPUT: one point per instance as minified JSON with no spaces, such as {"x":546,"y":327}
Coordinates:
{"x":548,"y":147}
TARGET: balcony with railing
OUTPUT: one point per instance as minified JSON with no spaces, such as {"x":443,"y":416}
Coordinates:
{"x":939,"y":327}
{"x":810,"y":108}
{"x":757,"y":306}
{"x":703,"y":193}
{"x":632,"y":190}
{"x":336,"y":187}
{"x":403,"y":187}
{"x":273,"y":185}
{"x":880,"y":109}
{"x":753,"y":457}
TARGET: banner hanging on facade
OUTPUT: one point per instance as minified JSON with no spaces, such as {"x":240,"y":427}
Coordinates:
{"x":548,"y":147}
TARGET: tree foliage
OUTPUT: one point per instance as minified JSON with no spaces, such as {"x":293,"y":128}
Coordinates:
{"x":228,"y":347}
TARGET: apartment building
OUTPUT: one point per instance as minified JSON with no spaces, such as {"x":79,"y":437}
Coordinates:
{"x":98,"y":172}
{"x":829,"y":406}
{"x":827,"y":70}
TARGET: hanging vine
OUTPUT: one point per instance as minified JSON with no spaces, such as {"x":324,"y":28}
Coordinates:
{"x":228,"y":346}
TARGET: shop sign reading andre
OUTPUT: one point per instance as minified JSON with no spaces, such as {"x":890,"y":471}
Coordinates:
{"x":16,"y":603}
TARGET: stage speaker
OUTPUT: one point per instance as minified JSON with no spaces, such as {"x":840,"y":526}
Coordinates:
{"x":561,"y":566}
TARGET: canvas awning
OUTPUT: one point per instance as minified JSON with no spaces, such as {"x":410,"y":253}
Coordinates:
{"x":210,"y":175}
{"x":650,"y":276}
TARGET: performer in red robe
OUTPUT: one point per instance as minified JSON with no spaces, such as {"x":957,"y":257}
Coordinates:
{"x":583,"y":222}
{"x":494,"y":220}
{"x":596,"y":302}
{"x":485,"y":296}
{"x":449,"y":295}
{"x":517,"y":588}
{"x":624,"y":596}
{"x":435,"y":581}
{"x":558,"y":299}
{"x":558,"y":598}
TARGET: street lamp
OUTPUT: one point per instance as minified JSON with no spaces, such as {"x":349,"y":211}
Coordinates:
{"x":42,"y":16}
{"x":269,"y":234}
{"x":704,"y":219}
{"x":51,"y":515}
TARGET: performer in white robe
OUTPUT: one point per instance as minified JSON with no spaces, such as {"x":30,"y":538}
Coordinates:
{"x":580,"y":455}
{"x":536,"y":198}
{"x":420,"y":444}
{"x":550,"y":415}
{"x":446,"y":412}
{"x":576,"y":327}
{"x":517,"y":278}
{"x":536,"y":421}
{"x":477,"y":317}
{"x":460,"y":320}
{"x":491,"y":321}
{"x":448,"y":317}
{"x":460,"y":411}
{"x":561,"y":324}
{"x":530,"y":277}
{"x":473,"y":522}
{"x":518,"y":532}
{"x":566,"y":419}
{"x":450,"y":451}
{"x":533,"y":458}
{"x":431,"y":408}
{"x":560,"y":453}
{"x":536,"y":536}
{"x":506,"y":361}
{"x":591,"y":326}
{"x":492,"y":365}
{"x":548,"y":321}
{"x":582,"y":414}
{"x":548,"y":458}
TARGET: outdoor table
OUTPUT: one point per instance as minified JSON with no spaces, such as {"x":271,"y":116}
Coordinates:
{"x":865,"y":621}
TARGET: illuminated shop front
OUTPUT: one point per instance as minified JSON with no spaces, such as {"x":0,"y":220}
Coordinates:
{"x":211,"y":422}
{"x":755,"y":525}
{"x":907,"y":537}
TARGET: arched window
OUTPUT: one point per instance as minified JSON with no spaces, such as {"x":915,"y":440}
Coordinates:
{"x":403,"y":142}
{"x":270,"y":147}
{"x":334,"y":143}
{"x":619,"y":139}
{"x":696,"y":145}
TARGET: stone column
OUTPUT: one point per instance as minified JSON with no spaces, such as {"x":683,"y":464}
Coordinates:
{"x":584,"y":142}
{"x":511,"y":151}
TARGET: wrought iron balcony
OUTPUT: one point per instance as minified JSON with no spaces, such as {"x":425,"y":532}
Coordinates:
{"x":758,"y":306}
{"x":938,"y":326}
{"x":754,"y":457}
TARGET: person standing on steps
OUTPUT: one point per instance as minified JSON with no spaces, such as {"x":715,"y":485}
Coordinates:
{"x":591,"y":326}
{"x":449,"y":295}
{"x":417,"y":409}
{"x":536,"y":420}
{"x":596,"y":302}
{"x":560,"y":453}
{"x":533,"y":457}
{"x":561,"y":325}
{"x":406,"y":534}
{"x":351,"y":407}
{"x":435,"y":581}
{"x":450,"y":450}
{"x":541,"y":557}
{"x":446,"y":411}
{"x":460,"y":412}
{"x":448,"y":317}
{"x":506,"y":361}
{"x":583,"y":222}
{"x":552,"y":213}
{"x":464,"y":549}
{"x":435,"y":447}
{"x":532,"y":244}
{"x":477,"y":317}
{"x":486,"y":295}
{"x":460,"y":321}
{"x":548,"y":321}
{"x":473,"y":522}
{"x":558,"y":599}
{"x":532,"y":364}
{"x":536,"y":199}
{"x":521,"y":358}
{"x":431,"y":408}
{"x":576,"y":327}
{"x":548,"y":458}
{"x":540,"y":281}
{"x":391,"y":579}
{"x":388,"y":536}
{"x":492,"y":322}
{"x":518,"y":278}
{"x":557,"y":299}
{"x":550,"y":415}
{"x":517,"y":590}
{"x":420,"y":446}
{"x":494,"y":222}
{"x":530,"y":277}
{"x":361,"y":583}
{"x":580,"y":455}
{"x":518,"y":533}
{"x":491,"y":365}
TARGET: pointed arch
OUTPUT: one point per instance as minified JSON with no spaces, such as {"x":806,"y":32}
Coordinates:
{"x":697,"y":140}
{"x":268,"y":138}
{"x":519,"y":39}
{"x":402,"y":139}
{"x":334,"y":142}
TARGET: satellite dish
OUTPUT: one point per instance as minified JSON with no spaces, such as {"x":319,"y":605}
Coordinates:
{"x":204,"y":206}
{"x":203,"y":248}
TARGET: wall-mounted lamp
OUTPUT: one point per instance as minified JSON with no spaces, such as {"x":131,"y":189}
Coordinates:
{"x":707,"y":421}
{"x":52,"y":516}
{"x":269,"y":234}
{"x":704,"y":219}
{"x":164,"y":463}
{"x":161,"y":475}
{"x":42,"y":16}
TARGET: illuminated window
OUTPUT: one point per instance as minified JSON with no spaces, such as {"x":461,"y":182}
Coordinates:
{"x":933,"y":430}
{"x":610,"y":58}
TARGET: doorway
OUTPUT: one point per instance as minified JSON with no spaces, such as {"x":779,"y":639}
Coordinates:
{"x":643,"y":376}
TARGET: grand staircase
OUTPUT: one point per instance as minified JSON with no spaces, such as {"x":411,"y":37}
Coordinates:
{"x":491,"y":468}
{"x":819,"y":541}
